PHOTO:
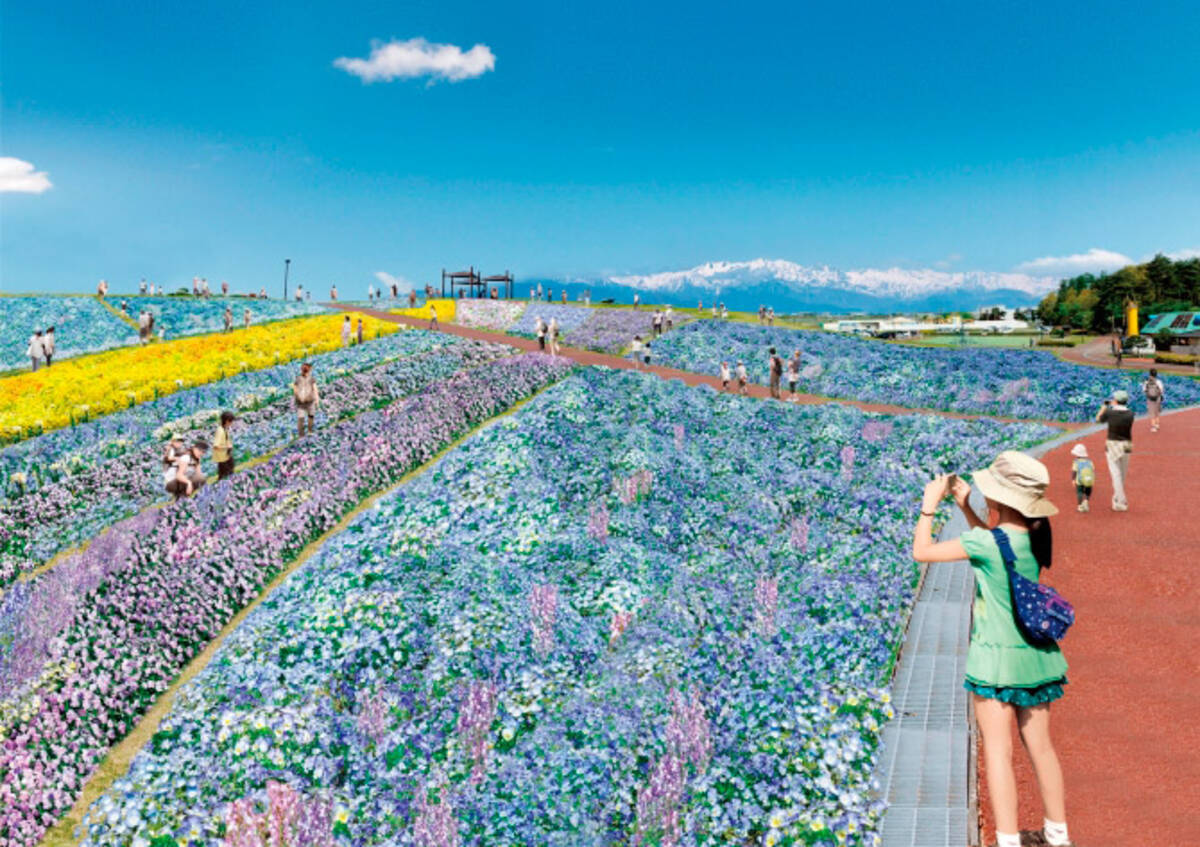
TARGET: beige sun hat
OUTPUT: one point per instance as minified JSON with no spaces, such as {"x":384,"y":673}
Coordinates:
{"x":1017,"y":480}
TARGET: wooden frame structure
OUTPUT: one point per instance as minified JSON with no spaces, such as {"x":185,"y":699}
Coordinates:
{"x":506,"y":278}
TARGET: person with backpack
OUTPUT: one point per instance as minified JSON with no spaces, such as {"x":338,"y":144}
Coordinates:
{"x":1083,"y":474}
{"x":1011,"y":676}
{"x":306,"y":396}
{"x":776,"y":365}
{"x":1153,"y":389}
{"x":1119,"y":444}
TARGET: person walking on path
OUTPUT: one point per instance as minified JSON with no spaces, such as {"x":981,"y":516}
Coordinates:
{"x":433,"y":322}
{"x":184,"y":477}
{"x":793,"y":377}
{"x":1118,"y":445}
{"x":726,"y":375}
{"x":360,"y":331}
{"x":540,"y":330}
{"x":646,"y":354}
{"x":48,"y":345}
{"x":1008,"y":677}
{"x":635,"y":351}
{"x":1083,"y":474}
{"x":222,"y":446}
{"x":637,"y":299}
{"x":742,"y":377}
{"x":228,"y":318}
{"x":246,"y":318}
{"x":669,"y":318}
{"x":552,"y":331}
{"x":36,"y":350}
{"x":224,"y":288}
{"x":776,"y":365}
{"x":1153,"y":388}
{"x":307,"y":397}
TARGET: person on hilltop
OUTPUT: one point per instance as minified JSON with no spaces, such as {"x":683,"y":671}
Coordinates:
{"x":222,"y":446}
{"x":771,"y":316}
{"x":1119,"y":444}
{"x":228,"y":317}
{"x":142,"y":286}
{"x":262,"y":293}
{"x":36,"y":350}
{"x":184,"y":477}
{"x":669,"y":318}
{"x":1008,"y":677}
{"x":333,"y":293}
{"x":224,"y":288}
{"x":564,"y":295}
{"x":346,"y":328}
{"x":1083,"y":474}
{"x":48,"y":345}
{"x":637,"y":299}
{"x":433,"y":316}
{"x":307,"y":397}
{"x":776,"y":365}
{"x":1154,"y":390}
{"x":371,"y":293}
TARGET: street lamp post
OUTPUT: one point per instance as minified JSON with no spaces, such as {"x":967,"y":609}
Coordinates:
{"x":287,"y":263}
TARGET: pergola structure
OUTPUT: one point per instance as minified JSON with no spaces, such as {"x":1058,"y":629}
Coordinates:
{"x":470,"y":283}
{"x":468,"y":280}
{"x":506,"y":278}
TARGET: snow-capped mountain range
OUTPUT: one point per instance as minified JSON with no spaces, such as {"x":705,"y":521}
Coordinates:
{"x":789,"y":287}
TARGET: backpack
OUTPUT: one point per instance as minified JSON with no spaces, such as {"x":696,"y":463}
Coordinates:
{"x":1085,"y":473}
{"x":1153,"y":392}
{"x":1042,"y":615}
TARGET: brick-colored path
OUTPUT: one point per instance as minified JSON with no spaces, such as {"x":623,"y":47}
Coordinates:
{"x":1098,"y":353}
{"x":1128,"y":729}
{"x":588,"y":357}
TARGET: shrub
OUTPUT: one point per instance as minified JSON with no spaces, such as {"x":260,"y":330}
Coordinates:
{"x":1176,"y":358}
{"x":1056,"y":342}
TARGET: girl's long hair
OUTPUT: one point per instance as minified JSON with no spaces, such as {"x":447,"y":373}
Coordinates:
{"x":1041,"y":541}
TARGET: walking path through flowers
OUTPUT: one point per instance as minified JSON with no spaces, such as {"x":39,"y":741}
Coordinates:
{"x":1127,"y":730}
{"x":1098,"y":353}
{"x":588,"y":357}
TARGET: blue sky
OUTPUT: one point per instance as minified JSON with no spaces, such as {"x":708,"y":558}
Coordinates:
{"x":218,"y":138}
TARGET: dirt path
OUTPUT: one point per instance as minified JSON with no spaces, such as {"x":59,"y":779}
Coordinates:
{"x":588,"y":357}
{"x":1128,"y":730}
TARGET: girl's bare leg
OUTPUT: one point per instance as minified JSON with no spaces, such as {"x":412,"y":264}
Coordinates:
{"x":995,"y":724}
{"x":1035,"y":735}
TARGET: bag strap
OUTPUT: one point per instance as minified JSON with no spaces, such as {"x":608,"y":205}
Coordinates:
{"x":1006,"y":551}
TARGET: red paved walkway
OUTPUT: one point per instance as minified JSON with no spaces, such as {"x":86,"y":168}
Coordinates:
{"x":1098,"y":353}
{"x":1128,"y":729}
{"x":588,"y":357}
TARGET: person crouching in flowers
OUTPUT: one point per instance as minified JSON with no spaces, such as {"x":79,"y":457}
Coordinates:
{"x":1009,"y":677}
{"x":184,"y":478}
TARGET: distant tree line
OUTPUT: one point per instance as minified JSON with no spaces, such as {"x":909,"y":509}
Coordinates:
{"x":1097,"y":303}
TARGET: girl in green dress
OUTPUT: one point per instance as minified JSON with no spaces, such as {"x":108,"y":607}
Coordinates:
{"x":1009,"y":677}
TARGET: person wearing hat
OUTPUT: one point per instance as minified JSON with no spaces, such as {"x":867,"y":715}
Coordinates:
{"x":222,"y":446}
{"x":1119,"y":444}
{"x":183,"y":478}
{"x":1083,"y":474}
{"x":1008,"y":677}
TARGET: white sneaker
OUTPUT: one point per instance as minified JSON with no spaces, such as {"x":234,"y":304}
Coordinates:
{"x":1084,"y":507}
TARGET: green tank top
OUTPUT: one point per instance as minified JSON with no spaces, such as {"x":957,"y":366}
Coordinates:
{"x":998,"y":655}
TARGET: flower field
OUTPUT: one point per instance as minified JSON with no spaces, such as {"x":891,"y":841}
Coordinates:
{"x":81,"y":325}
{"x":1008,"y":383}
{"x":493,"y":315}
{"x":445,"y":308}
{"x":611,"y":330}
{"x":90,"y":386}
{"x":629,"y":613}
{"x":180,"y":316}
{"x":96,"y":487}
{"x":568,"y":317}
{"x":86,"y":648}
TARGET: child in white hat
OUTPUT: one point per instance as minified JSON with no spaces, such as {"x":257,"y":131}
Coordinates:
{"x":1083,"y":474}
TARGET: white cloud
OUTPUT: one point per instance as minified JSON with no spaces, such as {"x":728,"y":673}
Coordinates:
{"x":19,"y":175}
{"x":1182,"y":255}
{"x":1078,"y":263}
{"x":387,"y":279}
{"x":416,"y":58}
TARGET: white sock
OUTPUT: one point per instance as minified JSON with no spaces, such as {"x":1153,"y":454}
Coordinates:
{"x":1055,"y":832}
{"x":1008,"y":839}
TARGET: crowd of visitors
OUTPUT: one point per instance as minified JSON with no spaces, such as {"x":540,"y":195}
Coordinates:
{"x":41,"y":348}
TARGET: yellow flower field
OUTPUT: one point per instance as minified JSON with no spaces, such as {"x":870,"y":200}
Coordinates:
{"x":444,"y":307}
{"x":86,"y":387}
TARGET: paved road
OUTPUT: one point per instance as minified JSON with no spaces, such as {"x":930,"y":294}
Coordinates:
{"x":1098,"y":353}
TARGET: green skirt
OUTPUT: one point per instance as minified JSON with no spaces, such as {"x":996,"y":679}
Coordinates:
{"x":1047,"y":692}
